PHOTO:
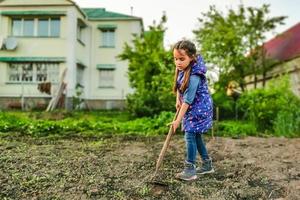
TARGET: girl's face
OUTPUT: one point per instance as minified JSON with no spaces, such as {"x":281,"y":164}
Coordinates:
{"x":181,"y":59}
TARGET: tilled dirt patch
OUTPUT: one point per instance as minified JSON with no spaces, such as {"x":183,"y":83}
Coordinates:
{"x":118,"y":168}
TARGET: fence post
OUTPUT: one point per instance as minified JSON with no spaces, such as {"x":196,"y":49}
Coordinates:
{"x":215,"y":124}
{"x":217,"y":116}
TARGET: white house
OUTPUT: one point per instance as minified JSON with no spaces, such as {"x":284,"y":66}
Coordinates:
{"x":40,"y":39}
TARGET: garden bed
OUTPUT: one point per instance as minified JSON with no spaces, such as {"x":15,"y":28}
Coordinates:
{"x":120,"y":168}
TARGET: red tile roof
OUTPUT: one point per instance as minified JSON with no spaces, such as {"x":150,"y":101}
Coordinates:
{"x":285,"y":46}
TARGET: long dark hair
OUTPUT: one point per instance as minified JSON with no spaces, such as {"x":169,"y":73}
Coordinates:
{"x":190,"y":50}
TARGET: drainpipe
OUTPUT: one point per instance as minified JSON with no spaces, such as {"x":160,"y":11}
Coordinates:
{"x":90,"y":63}
{"x":71,"y":57}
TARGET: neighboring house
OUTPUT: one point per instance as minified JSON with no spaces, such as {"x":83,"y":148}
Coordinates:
{"x":42,"y":38}
{"x":284,"y":52}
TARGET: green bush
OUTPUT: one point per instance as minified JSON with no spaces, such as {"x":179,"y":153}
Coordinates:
{"x":236,"y":128}
{"x":287,"y":121}
{"x":260,"y":106}
{"x":273,"y":109}
{"x":226,"y":105}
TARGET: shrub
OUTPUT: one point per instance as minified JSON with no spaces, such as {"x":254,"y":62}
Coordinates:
{"x":287,"y":121}
{"x":226,"y":105}
{"x":236,"y":128}
{"x":274,"y":108}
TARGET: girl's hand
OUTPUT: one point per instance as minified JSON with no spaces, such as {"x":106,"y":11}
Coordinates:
{"x":178,"y":104}
{"x":175,"y":124}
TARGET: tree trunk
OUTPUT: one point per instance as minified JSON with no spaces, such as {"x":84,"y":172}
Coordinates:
{"x":255,"y":77}
{"x":263,"y":63}
{"x":264,"y":78}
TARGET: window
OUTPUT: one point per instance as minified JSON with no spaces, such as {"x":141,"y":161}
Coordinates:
{"x":14,"y":72}
{"x":41,"y":72}
{"x":108,"y":37}
{"x":36,"y":27}
{"x":43,"y":27}
{"x":17,"y":27}
{"x":79,"y":75}
{"x":106,"y":78}
{"x":80,"y":33}
{"x":33,"y":72}
{"x":52,"y":72}
{"x":28,"y":29}
{"x":27,"y":73}
{"x":55,"y":27}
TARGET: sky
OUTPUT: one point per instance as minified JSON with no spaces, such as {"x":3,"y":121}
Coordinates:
{"x":183,"y":15}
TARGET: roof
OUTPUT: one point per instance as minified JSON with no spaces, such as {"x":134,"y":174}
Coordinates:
{"x":33,"y":13}
{"x":285,"y":46}
{"x":45,"y":3}
{"x":102,"y":14}
{"x":32,"y":59}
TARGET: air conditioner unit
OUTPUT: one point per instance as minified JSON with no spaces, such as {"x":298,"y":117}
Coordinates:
{"x":10,"y":43}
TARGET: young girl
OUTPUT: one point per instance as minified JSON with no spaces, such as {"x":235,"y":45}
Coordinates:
{"x":195,"y":104}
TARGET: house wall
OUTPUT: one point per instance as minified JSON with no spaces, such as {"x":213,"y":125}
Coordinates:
{"x":30,"y":47}
{"x":88,"y":54}
{"x":290,"y":68}
{"x":109,"y":56}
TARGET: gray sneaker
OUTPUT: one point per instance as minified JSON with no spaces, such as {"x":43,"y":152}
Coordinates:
{"x":189,"y":172}
{"x":206,"y":167}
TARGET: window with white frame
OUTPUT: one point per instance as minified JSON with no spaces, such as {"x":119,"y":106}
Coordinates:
{"x":79,"y":75}
{"x":36,"y":27}
{"x":81,"y":33}
{"x":107,"y":38}
{"x":54,"y":27}
{"x":33,"y":72}
{"x":17,"y":27}
{"x":41,"y":72}
{"x":28,"y":29}
{"x":14,"y":72}
{"x":106,"y":78}
{"x":43,"y":28}
{"x":27,"y":73}
{"x":20,"y":72}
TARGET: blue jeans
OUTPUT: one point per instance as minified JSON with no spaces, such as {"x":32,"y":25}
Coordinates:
{"x":194,"y":142}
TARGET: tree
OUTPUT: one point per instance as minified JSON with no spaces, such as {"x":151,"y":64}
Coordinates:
{"x":257,"y":25}
{"x":227,"y":40}
{"x":150,"y":72}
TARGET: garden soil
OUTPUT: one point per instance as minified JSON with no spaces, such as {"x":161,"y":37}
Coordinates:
{"x":120,"y":168}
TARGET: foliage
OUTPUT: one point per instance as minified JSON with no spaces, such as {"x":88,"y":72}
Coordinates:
{"x":150,"y":73}
{"x":225,"y":104}
{"x":274,"y":108}
{"x":236,"y":128}
{"x":80,"y":123}
{"x":234,"y":36}
{"x":116,"y":123}
{"x":260,"y":106}
{"x":287,"y":121}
